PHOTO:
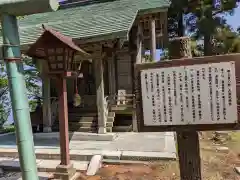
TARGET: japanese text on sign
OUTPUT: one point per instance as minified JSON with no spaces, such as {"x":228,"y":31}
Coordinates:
{"x":196,"y":94}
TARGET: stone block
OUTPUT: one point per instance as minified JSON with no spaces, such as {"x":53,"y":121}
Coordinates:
{"x":64,"y":172}
{"x":94,"y":165}
{"x":147,"y":156}
{"x":237,"y":169}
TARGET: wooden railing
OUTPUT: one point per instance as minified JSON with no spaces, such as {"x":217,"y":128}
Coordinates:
{"x":122,"y":100}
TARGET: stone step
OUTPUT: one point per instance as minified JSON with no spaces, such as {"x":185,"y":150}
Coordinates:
{"x":122,"y":129}
{"x":110,"y":119}
{"x":116,"y":108}
{"x":78,"y":114}
{"x":89,"y":119}
{"x":85,"y":124}
{"x":43,"y":165}
{"x":88,"y":124}
{"x":83,"y":118}
{"x":55,"y":128}
{"x":111,"y":114}
{"x":87,"y":129}
{"x":86,"y":155}
{"x":82,"y":110}
{"x":82,"y":129}
{"x":77,"y":136}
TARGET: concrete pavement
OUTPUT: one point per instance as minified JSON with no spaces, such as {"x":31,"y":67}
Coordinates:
{"x":125,"y":148}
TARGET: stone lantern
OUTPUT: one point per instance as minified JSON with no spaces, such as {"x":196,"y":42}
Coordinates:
{"x":59,"y":51}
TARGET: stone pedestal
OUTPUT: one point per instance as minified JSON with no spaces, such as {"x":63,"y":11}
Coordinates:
{"x":65,"y":172}
{"x":102,"y":130}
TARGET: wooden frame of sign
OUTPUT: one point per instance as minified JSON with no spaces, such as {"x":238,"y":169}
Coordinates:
{"x":220,"y":117}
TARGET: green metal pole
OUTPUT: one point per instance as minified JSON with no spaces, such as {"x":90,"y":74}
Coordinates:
{"x":17,"y":88}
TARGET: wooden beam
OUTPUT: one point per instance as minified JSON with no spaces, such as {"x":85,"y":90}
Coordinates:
{"x":47,"y":115}
{"x":139,"y":42}
{"x":111,"y":75}
{"x":152,"y":11}
{"x":137,"y":60}
{"x":158,"y":35}
{"x":63,"y":122}
{"x":189,"y":158}
{"x":165,"y":30}
{"x":153,"y":39}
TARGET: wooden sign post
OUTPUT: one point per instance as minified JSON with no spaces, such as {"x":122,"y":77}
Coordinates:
{"x":187,"y":95}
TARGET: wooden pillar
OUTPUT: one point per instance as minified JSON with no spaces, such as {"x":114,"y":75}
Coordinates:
{"x":63,"y":122}
{"x":139,"y":42}
{"x":46,"y":95}
{"x":153,"y":38}
{"x":111,"y":75}
{"x":189,"y":157}
{"x":98,"y":68}
{"x":137,"y":60}
{"x":47,"y":116}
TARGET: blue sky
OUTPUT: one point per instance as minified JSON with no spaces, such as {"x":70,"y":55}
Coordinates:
{"x":234,"y":20}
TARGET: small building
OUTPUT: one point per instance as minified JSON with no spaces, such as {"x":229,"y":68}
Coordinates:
{"x":116,"y":33}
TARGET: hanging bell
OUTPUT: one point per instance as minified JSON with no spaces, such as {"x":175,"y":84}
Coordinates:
{"x":76,"y":100}
{"x":77,"y":97}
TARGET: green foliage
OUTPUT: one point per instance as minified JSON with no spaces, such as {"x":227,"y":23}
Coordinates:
{"x":32,"y":78}
{"x":204,"y":23}
{"x":32,"y":83}
{"x":226,"y":41}
{"x":164,"y":55}
{"x":3,"y":115}
{"x":32,"y":105}
{"x":148,"y":58}
{"x":8,"y":129}
{"x":4,"y":103}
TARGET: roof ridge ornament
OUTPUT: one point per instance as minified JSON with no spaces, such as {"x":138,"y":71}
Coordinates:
{"x":43,"y":26}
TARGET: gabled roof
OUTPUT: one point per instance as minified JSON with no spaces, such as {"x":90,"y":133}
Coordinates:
{"x":113,"y":18}
{"x":56,"y":39}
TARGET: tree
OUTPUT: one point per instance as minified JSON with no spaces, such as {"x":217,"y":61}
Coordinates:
{"x":206,"y":19}
{"x":226,"y":41}
{"x":203,"y":20}
{"x":32,"y":83}
{"x":147,"y":58}
{"x":4,"y":105}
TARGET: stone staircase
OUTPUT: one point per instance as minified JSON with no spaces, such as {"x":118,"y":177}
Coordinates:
{"x":84,"y":120}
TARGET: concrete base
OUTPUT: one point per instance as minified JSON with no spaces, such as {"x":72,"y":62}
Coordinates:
{"x":102,"y":130}
{"x":77,"y":136}
{"x":47,"y":129}
{"x":64,"y":172}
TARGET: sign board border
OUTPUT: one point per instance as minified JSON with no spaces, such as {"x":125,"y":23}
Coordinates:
{"x":176,"y":63}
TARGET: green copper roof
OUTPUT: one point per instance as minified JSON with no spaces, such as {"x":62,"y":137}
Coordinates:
{"x":90,"y":21}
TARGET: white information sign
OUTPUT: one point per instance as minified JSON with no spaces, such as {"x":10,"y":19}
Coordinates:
{"x":196,"y":94}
